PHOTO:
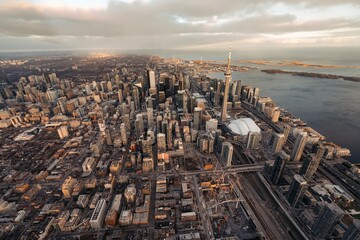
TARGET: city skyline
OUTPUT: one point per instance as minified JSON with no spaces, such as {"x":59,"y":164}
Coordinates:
{"x":154,"y":24}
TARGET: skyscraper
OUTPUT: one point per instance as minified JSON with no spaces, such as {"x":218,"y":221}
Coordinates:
{"x":139,"y":125}
{"x":161,"y":142}
{"x":227,"y":152}
{"x":279,"y":166}
{"x":353,"y":232}
{"x":309,"y":166}
{"x":150,"y":117}
{"x":63,"y":132}
{"x":227,"y":83}
{"x":296,"y":190}
{"x":276,"y":142}
{"x":253,"y":140}
{"x":329,"y":216}
{"x":286,"y":131}
{"x":151,"y":79}
{"x":197,"y":118}
{"x":299,"y":146}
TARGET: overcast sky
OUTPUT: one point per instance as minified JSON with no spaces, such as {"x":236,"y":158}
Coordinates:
{"x":177,"y":24}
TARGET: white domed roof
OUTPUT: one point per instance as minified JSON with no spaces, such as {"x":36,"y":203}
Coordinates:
{"x":243,"y":126}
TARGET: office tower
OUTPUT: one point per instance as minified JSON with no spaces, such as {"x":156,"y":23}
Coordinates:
{"x":329,"y":216}
{"x":182,"y":100}
{"x":63,"y":132}
{"x":68,"y":186}
{"x":126,"y":120}
{"x":109,"y":86}
{"x":286,"y":131}
{"x":238,"y":88}
{"x":136,"y":97}
{"x":103,"y":86}
{"x":130,"y":193}
{"x":98,"y":216}
{"x":277,"y":142}
{"x":161,"y":142}
{"x":319,"y":150}
{"x":123,"y":133}
{"x":296,"y":190}
{"x":226,"y":93}
{"x":108,"y":137}
{"x":253,"y":140}
{"x":211,"y":124}
{"x":139,"y":125}
{"x":279,"y":166}
{"x":168,"y":132}
{"x":227,"y":152}
{"x":88,"y":165}
{"x":181,"y":82}
{"x":217,"y":94}
{"x":146,"y":147}
{"x":299,"y":146}
{"x":52,"y":95}
{"x":88,"y":89}
{"x":353,"y":232}
{"x":309,"y":166}
{"x":120,"y":96}
{"x":102,"y":125}
{"x":197,"y":118}
{"x":275,"y":116}
{"x":233,"y":90}
{"x":151,"y":79}
{"x":150,"y":117}
{"x":148,"y":164}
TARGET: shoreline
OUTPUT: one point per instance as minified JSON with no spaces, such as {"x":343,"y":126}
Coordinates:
{"x":312,"y":75}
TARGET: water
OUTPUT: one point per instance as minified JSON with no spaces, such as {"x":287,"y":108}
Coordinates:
{"x":329,"y":106}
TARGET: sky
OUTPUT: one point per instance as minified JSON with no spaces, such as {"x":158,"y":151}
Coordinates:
{"x":177,"y":24}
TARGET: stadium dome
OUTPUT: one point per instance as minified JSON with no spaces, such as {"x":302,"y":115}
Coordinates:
{"x":243,"y":126}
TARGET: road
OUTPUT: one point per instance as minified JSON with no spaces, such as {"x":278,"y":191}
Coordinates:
{"x":203,"y":215}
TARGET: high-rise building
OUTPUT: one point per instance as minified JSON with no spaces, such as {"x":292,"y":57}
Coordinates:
{"x":197,"y":118}
{"x":211,"y":124}
{"x":253,"y":140}
{"x":353,"y":232}
{"x":286,"y":131}
{"x":98,"y":215}
{"x":108,"y":137}
{"x":227,"y":152}
{"x":151,"y":79}
{"x":226,"y":93}
{"x":139,"y":125}
{"x":299,"y":146}
{"x":275,"y":116}
{"x":296,"y":190}
{"x":123,"y":133}
{"x":148,"y":164}
{"x":276,"y":142}
{"x":309,"y":166}
{"x":182,"y":100}
{"x":329,"y":216}
{"x":150,"y":117}
{"x":161,"y":142}
{"x":120,"y":96}
{"x":169,"y":136}
{"x":279,"y":166}
{"x":63,"y":132}
{"x":68,"y":187}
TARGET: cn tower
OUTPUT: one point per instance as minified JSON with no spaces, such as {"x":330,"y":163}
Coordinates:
{"x":226,"y":93}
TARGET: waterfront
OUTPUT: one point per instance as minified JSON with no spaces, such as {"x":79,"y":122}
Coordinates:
{"x":329,"y":106}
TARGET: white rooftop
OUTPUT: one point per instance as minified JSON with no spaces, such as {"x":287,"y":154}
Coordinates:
{"x":243,"y":126}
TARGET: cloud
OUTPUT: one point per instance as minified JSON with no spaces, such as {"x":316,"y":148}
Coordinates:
{"x":177,"y":23}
